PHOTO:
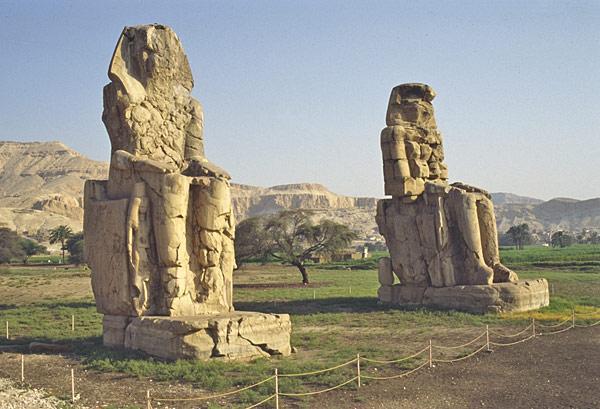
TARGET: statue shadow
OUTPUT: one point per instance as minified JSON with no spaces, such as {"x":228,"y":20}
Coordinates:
{"x":314,"y":306}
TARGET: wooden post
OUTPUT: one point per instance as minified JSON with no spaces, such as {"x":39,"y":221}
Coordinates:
{"x":72,"y":385}
{"x":533,"y":325}
{"x":358,"y":370}
{"x":573,"y":319}
{"x":430,"y":354}
{"x":7,"y":337}
{"x":22,"y":368}
{"x":73,"y":322}
{"x":148,"y":400}
{"x":314,"y":294}
{"x":276,"y":389}
{"x":487,"y":337}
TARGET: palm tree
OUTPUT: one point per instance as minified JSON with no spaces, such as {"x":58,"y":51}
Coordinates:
{"x":61,"y":234}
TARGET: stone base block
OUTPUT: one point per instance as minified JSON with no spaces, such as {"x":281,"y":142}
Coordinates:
{"x":523,"y":295}
{"x":113,"y":330}
{"x":236,"y":335}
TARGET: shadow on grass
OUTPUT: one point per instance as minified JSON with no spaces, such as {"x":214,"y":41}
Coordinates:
{"x":324,"y":305}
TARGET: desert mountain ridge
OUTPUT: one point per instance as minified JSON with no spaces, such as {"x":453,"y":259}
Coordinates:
{"x":41,"y":187}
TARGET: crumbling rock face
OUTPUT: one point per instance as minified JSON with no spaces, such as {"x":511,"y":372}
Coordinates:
{"x":439,"y":235}
{"x":159,"y":232}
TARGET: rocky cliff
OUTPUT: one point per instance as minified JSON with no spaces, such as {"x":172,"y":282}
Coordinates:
{"x":41,"y":185}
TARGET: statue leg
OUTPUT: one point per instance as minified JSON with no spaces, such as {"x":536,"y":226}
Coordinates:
{"x":489,"y":240}
{"x":463,"y":207}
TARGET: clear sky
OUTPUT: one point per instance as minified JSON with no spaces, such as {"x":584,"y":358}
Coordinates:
{"x":296,"y":91}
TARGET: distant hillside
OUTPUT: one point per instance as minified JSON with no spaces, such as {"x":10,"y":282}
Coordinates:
{"x":502,"y":198}
{"x":555,"y":214}
{"x":357,"y":212}
{"x":41,"y":186}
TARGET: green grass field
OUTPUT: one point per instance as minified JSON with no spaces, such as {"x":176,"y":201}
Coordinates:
{"x":333,"y":319}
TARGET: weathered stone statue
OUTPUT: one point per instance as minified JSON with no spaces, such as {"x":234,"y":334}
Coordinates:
{"x":159,"y":232}
{"x":442,"y":238}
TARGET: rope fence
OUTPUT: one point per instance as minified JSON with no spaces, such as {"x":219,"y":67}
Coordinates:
{"x":360,"y":365}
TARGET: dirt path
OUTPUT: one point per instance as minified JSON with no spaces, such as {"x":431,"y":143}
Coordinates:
{"x":558,"y":371}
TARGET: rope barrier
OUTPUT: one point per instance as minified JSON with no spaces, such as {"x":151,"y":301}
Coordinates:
{"x":511,"y":335}
{"x":501,"y":344}
{"x":396,"y":376}
{"x":292,"y":375}
{"x":321,"y":391}
{"x":587,"y":326}
{"x":261,"y":402}
{"x":221,"y":395}
{"x":449,"y":361}
{"x":461,"y":346}
{"x":560,"y":324}
{"x":554,"y":332}
{"x":393,"y":361}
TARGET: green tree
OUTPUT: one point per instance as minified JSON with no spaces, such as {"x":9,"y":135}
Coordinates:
{"x":251,"y":241}
{"x":292,"y":238}
{"x":561,"y":239}
{"x":30,"y":248}
{"x":519,"y":235}
{"x":10,"y":246}
{"x":74,"y":246}
{"x":60,"y":235}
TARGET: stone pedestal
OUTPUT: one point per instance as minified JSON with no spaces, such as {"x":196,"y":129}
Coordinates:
{"x":523,"y":295}
{"x":235,"y":335}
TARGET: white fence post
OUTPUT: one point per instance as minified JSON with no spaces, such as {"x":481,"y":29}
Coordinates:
{"x":430,"y":354}
{"x":276,"y":389}
{"x":358,"y":370}
{"x":72,"y":385}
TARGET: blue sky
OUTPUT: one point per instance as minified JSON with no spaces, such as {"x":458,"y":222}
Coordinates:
{"x":296,"y":91}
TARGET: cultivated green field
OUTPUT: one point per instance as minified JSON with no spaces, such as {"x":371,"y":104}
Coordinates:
{"x":334,"y":318}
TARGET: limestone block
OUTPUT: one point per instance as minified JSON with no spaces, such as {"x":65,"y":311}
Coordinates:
{"x":384,"y":293}
{"x":113,"y":330}
{"x":386,"y":276}
{"x":419,"y":168}
{"x":519,"y":296}
{"x":408,"y":294}
{"x":401,"y":169}
{"x":106,"y":253}
{"x":413,"y":149}
{"x":239,"y":335}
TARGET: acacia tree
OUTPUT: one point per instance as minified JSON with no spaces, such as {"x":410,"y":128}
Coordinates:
{"x":251,"y":242}
{"x":519,"y":235}
{"x":292,"y":238}
{"x":60,"y":235}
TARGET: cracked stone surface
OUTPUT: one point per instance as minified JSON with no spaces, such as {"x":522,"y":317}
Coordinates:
{"x":159,"y":232}
{"x":439,"y":235}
